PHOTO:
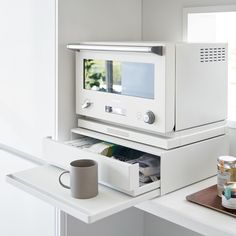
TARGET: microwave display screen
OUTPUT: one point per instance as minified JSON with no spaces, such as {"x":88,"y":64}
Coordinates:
{"x":126,"y":78}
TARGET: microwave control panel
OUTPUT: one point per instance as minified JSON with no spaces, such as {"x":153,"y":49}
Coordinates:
{"x":148,"y":117}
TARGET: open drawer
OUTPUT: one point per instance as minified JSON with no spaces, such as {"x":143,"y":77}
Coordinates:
{"x":114,"y":173}
{"x":42,"y":182}
{"x":178,"y":167}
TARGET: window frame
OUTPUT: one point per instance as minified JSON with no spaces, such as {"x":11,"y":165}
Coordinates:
{"x":206,"y":9}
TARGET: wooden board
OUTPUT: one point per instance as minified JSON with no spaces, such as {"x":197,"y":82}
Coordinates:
{"x":208,"y":198}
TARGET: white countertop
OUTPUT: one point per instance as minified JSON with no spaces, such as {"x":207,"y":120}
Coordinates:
{"x":175,"y":208}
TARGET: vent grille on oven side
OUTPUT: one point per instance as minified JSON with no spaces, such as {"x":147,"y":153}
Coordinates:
{"x":212,"y":55}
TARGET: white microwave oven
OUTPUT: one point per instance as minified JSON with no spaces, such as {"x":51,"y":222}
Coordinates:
{"x":155,"y":87}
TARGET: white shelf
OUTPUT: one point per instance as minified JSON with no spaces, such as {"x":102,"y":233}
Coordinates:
{"x":42,"y":182}
{"x":175,"y":208}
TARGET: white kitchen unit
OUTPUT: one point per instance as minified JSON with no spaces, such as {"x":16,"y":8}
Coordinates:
{"x":42,"y":181}
{"x":191,"y":160}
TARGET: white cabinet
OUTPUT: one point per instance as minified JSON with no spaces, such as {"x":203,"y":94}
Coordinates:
{"x":22,"y":214}
{"x":27,"y":72}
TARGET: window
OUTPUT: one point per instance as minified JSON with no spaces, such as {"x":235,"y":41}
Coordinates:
{"x":215,"y":24}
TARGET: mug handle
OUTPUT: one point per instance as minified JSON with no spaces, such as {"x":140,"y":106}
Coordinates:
{"x":63,"y":185}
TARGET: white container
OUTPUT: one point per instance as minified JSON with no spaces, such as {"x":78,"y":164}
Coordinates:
{"x":229,"y":196}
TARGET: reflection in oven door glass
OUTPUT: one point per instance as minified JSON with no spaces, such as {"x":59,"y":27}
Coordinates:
{"x":126,"y":78}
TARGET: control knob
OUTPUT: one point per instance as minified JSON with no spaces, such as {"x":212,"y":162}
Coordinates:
{"x":86,"y":104}
{"x":149,"y":117}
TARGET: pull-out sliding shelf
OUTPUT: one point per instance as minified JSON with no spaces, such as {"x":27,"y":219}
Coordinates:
{"x":42,"y":182}
{"x":179,"y":167}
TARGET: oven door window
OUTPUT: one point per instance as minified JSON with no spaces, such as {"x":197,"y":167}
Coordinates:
{"x":126,"y":78}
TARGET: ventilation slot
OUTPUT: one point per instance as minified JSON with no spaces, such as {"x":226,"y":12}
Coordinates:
{"x":212,"y":55}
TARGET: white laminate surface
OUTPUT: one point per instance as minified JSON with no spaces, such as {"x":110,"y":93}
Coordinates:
{"x":175,"y":208}
{"x":42,"y":182}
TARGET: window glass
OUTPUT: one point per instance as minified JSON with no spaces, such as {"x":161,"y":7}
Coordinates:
{"x":126,"y":78}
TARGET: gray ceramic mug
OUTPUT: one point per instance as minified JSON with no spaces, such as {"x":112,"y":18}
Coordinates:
{"x":83,"y":178}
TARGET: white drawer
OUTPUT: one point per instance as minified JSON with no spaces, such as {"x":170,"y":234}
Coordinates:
{"x":113,"y":173}
{"x":179,"y":167}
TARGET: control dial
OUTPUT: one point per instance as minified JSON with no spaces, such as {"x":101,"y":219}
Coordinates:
{"x":149,"y":117}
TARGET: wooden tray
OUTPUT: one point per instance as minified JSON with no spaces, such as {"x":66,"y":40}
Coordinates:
{"x":208,"y":198}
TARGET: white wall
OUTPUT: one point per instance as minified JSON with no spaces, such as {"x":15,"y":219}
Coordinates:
{"x":90,"y":20}
{"x":27,"y":69}
{"x":162,"y":20}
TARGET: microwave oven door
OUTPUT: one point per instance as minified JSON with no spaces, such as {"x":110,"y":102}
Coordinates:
{"x":128,"y":89}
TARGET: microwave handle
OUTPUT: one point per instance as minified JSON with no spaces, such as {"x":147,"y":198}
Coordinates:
{"x":120,"y":48}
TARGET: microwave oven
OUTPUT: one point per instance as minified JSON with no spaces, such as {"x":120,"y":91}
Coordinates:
{"x":154,"y":88}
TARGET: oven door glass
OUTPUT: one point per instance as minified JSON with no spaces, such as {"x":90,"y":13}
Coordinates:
{"x":126,"y":78}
